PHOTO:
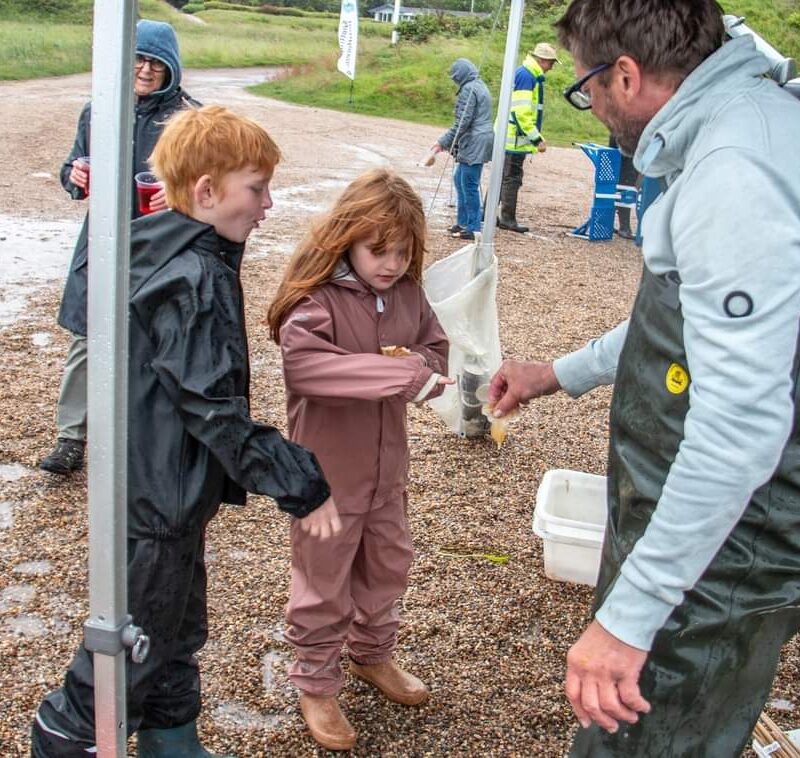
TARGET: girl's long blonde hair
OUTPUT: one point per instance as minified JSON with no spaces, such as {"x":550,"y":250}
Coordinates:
{"x":379,"y":202}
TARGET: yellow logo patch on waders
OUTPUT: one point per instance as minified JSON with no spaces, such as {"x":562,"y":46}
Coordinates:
{"x":677,"y":378}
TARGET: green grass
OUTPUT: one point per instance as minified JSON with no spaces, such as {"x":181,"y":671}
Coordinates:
{"x":47,"y":46}
{"x":408,"y":81}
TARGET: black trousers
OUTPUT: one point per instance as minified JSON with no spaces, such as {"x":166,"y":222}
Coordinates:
{"x":512,"y":172}
{"x":167,"y":598}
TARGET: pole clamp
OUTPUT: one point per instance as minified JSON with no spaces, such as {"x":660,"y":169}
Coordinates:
{"x":99,"y":637}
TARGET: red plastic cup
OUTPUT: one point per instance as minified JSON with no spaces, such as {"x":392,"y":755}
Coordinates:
{"x":85,"y":160}
{"x":147,"y":185}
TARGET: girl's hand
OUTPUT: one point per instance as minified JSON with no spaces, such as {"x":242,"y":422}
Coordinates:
{"x":445,"y":380}
{"x":323,"y":523}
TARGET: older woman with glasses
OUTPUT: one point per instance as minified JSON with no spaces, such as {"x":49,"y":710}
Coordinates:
{"x":156,"y":84}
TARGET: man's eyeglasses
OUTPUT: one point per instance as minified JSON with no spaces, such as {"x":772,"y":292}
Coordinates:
{"x":156,"y":66}
{"x":575,"y":95}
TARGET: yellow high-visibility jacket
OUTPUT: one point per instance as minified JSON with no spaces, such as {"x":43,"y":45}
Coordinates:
{"x":527,"y":108}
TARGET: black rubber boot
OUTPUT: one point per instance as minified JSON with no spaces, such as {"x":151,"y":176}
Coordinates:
{"x":178,"y":742}
{"x":508,"y":211}
{"x":65,"y":458}
{"x":625,"y":231}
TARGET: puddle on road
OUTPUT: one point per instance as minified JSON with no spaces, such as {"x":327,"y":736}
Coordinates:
{"x":313,"y":198}
{"x":16,"y":595}
{"x":34,"y":253}
{"x":10,"y":472}
{"x":26,"y":626}
{"x":6,"y":514}
{"x":269,"y":662}
{"x":42,"y":339}
{"x":240,"y":717}
{"x":34,"y":568}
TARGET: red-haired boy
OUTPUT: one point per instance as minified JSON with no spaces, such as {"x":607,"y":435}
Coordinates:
{"x":192,"y":443}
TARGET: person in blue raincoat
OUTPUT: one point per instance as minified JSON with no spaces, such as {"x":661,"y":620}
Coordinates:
{"x":470,"y":140}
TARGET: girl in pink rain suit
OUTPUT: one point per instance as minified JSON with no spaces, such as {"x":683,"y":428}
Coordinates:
{"x":359,"y":342}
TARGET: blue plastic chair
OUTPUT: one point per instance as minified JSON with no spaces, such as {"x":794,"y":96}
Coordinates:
{"x":608,"y":193}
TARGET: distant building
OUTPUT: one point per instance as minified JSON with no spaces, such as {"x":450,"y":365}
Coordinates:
{"x":384,"y":13}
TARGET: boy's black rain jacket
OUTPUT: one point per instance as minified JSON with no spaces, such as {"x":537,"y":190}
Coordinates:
{"x":192,"y":443}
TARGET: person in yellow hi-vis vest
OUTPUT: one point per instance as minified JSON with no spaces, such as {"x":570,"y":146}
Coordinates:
{"x":524,"y":131}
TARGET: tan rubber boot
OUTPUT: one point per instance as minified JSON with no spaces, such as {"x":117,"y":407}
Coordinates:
{"x":399,"y":686}
{"x":326,"y":722}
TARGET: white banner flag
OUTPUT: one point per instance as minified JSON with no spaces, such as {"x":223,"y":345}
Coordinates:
{"x":348,"y":38}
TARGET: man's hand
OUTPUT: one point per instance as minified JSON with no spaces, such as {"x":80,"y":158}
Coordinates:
{"x":542,"y":147}
{"x":517,"y":382}
{"x":323,"y":522}
{"x":603,"y":679}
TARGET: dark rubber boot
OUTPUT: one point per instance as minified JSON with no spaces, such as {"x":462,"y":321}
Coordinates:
{"x":624,"y":216}
{"x":508,"y":211}
{"x":65,"y":458}
{"x":178,"y":742}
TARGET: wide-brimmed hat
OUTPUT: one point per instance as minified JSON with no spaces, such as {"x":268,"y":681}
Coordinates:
{"x":546,"y":52}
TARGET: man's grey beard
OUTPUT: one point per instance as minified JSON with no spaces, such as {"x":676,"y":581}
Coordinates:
{"x":626,"y":130}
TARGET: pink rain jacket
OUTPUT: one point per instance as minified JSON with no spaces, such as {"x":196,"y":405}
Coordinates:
{"x":346,"y":401}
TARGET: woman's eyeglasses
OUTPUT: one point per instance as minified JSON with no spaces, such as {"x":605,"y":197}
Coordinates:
{"x":156,"y":66}
{"x":575,"y":95}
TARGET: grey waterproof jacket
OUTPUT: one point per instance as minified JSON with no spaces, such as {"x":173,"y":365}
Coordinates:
{"x":471,"y":136}
{"x":192,"y":443}
{"x":155,"y":39}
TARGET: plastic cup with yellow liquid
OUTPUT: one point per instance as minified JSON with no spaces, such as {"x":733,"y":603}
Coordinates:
{"x":498,"y":429}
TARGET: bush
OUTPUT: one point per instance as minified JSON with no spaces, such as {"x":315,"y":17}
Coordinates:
{"x":194,"y":6}
{"x":277,"y":10}
{"x":217,"y":5}
{"x":420,"y":28}
{"x":77,"y":11}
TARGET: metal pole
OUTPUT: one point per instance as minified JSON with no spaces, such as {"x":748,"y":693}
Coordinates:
{"x":109,"y":245}
{"x":485,"y":251}
{"x":395,"y":22}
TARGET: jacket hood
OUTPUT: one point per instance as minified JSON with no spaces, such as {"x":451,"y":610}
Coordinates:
{"x":736,"y":67}
{"x":159,"y":237}
{"x":157,"y":39}
{"x":463,"y":71}
{"x":344,"y":275}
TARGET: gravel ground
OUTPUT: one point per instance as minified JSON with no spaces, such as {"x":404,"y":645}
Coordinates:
{"x":489,"y":639}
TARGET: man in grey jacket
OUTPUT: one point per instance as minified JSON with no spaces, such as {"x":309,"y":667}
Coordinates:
{"x":470,"y":140}
{"x":699,"y":583}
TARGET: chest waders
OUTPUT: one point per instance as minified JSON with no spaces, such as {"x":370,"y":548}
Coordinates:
{"x":711,"y":666}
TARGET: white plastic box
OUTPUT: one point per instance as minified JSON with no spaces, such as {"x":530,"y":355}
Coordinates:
{"x":570,"y":516}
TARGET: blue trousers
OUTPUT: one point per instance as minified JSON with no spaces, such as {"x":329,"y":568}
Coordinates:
{"x":467,"y":179}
